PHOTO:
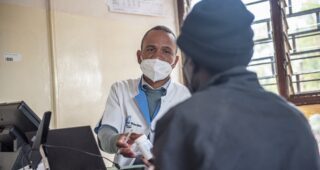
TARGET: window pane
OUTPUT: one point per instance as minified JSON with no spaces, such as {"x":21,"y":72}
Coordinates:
{"x":303,"y":5}
{"x":260,"y":31}
{"x":304,"y":35}
{"x":305,"y":65}
{"x":308,"y":43}
{"x":263,"y":70}
{"x":294,"y":56}
{"x":272,"y":88}
{"x":306,"y":76}
{"x":260,"y":10}
{"x":269,"y":84}
{"x":302,"y":23}
{"x":268,"y":81}
{"x":307,"y":82}
{"x":263,"y":50}
{"x":264,"y":60}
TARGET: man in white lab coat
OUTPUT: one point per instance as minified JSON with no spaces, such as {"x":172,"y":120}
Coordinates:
{"x":133,"y":106}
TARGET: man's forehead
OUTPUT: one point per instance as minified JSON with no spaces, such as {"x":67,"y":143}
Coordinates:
{"x":160,"y":33}
{"x":159,"y":36}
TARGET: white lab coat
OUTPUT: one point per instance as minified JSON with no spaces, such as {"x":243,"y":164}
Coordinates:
{"x":126,"y":109}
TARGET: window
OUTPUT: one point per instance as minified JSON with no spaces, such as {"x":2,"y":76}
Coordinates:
{"x":287,"y":47}
{"x":263,"y":60}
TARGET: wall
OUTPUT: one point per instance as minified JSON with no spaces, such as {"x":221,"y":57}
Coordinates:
{"x":71,"y":56}
{"x":23,"y":30}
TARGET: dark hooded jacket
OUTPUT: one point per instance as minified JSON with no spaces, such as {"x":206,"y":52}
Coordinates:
{"x":234,"y":124}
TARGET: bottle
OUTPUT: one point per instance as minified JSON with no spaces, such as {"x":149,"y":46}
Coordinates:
{"x":144,"y":146}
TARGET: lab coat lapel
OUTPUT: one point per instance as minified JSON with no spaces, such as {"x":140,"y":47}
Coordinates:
{"x":142,"y":103}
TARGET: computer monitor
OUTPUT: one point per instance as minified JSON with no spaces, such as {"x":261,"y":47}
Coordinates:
{"x":66,"y":149}
{"x":16,"y":117}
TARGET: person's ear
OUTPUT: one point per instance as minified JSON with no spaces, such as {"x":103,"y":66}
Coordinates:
{"x":175,"y":62}
{"x":139,"y":56}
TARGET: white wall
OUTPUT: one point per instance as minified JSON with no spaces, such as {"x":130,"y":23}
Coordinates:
{"x":23,"y":30}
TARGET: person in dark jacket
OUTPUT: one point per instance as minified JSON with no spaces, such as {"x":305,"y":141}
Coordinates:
{"x":230,"y":122}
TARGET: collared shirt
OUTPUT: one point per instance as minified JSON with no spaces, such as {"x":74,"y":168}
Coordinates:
{"x":154,"y":96}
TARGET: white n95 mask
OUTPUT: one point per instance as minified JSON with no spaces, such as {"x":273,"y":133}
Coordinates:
{"x":155,"y":69}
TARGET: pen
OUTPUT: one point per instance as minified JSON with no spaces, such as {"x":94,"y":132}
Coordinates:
{"x":128,"y":136}
{"x":126,"y":139}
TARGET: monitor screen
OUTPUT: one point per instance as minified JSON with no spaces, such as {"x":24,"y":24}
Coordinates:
{"x":19,"y":116}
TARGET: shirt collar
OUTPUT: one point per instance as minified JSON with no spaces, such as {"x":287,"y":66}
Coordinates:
{"x":165,"y":86}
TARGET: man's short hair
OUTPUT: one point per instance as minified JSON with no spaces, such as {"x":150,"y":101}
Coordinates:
{"x":158,"y":28}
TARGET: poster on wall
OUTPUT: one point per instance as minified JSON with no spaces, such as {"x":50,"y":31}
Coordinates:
{"x":140,"y":7}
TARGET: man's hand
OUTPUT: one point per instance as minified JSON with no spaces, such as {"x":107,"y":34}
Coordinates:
{"x":125,"y":147}
{"x":149,"y":164}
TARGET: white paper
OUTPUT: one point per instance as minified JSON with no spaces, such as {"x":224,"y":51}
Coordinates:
{"x":142,"y":7}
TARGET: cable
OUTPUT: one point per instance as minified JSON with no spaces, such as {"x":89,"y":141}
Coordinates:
{"x":82,"y":151}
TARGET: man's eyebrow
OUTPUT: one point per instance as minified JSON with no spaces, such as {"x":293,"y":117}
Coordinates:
{"x":167,"y":47}
{"x":150,"y":45}
{"x":170,"y":48}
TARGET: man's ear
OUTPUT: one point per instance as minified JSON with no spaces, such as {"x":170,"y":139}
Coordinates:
{"x":175,"y":62}
{"x":139,"y":56}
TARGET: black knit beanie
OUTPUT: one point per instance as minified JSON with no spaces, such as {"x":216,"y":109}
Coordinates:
{"x":217,"y":34}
